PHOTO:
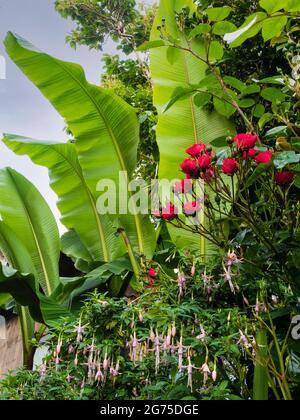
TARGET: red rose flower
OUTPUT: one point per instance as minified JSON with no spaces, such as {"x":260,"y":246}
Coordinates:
{"x":204,"y":161}
{"x":183,"y":187}
{"x":189,"y":166}
{"x":249,"y":154}
{"x":284,"y":177}
{"x":152,"y":273}
{"x":230,"y":167}
{"x":245,"y":141}
{"x":191,"y":208}
{"x":264,"y":157}
{"x":169,"y":212}
{"x":196,"y":149}
{"x":156,"y":213}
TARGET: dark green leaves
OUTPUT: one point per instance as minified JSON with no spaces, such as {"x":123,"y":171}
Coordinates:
{"x":272,"y":94}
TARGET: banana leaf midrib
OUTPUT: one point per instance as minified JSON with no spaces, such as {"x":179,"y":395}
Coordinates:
{"x":114,"y":141}
{"x":93,"y":204}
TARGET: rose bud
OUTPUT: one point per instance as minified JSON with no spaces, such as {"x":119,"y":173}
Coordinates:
{"x":191,"y":208}
{"x":169,"y":212}
{"x":245,"y":141}
{"x":230,"y":167}
{"x":204,"y":162}
{"x":189,"y":166}
{"x":183,"y":187}
{"x":264,"y":157}
{"x":284,"y":177}
{"x":208,"y":174}
{"x":152,"y":273}
{"x":249,"y":154}
{"x":196,"y":149}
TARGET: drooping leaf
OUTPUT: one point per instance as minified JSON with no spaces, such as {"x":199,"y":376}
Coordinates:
{"x":75,"y":200}
{"x":27,"y":214}
{"x":22,"y":288}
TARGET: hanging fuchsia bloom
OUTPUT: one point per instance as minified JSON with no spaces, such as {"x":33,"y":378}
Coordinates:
{"x":196,"y":149}
{"x":191,"y":208}
{"x":245,"y":141}
{"x":184,"y":186}
{"x":264,"y":157}
{"x":206,"y":371}
{"x":284,"y":177}
{"x":230,"y":167}
{"x":181,"y":282}
{"x":169,"y":212}
{"x":214,"y":375}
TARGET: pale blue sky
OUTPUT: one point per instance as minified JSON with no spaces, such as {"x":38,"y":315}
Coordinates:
{"x":23,"y":110}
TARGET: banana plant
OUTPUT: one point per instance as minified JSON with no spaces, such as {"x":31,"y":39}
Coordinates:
{"x":29,"y":240}
{"x":184,"y":123}
{"x":106,"y":132}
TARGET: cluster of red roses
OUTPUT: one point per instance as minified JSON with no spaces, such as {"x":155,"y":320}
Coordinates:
{"x":245,"y":144}
{"x":201,"y":165}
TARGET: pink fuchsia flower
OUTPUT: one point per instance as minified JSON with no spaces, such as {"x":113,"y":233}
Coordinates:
{"x":196,"y":149}
{"x":169,"y":212}
{"x":191,"y":208}
{"x":245,"y":141}
{"x":284,"y":177}
{"x":206,"y":371}
{"x":264,"y":157}
{"x":230,"y":167}
{"x":189,"y":167}
{"x":184,"y":186}
{"x":204,"y":162}
{"x":181,"y":282}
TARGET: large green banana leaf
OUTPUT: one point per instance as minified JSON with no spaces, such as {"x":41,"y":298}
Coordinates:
{"x":105,"y":127}
{"x":184,"y":123}
{"x":76,"y":203}
{"x":26,"y":213}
